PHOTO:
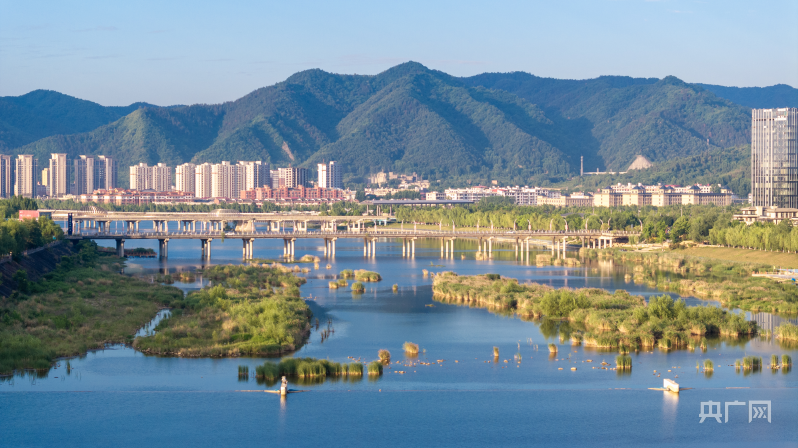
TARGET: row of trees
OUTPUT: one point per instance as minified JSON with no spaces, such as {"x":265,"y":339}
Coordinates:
{"x":17,"y":235}
{"x":763,"y":236}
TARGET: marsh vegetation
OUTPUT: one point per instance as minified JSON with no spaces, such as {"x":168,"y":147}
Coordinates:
{"x":249,"y":310}
{"x":606,"y":320}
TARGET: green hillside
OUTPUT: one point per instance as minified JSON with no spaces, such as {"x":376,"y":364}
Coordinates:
{"x":43,"y":113}
{"x":780,"y":95}
{"x":513,"y":127}
{"x":659,"y":119}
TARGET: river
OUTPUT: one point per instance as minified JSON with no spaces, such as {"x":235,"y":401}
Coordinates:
{"x":119,"y":397}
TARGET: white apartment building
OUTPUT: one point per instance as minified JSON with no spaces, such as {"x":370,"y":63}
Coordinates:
{"x":84,"y":175}
{"x":104,"y":173}
{"x":292,"y":177}
{"x":254,"y":175}
{"x":225,"y":180}
{"x":521,"y":195}
{"x":57,"y":181}
{"x":6,"y":176}
{"x":185,"y":178}
{"x":26,"y":172}
{"x":157,"y":178}
{"x":329,"y":175}
{"x":202,"y":180}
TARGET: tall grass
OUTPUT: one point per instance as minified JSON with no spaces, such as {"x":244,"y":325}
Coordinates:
{"x":243,"y":371}
{"x":752,"y":363}
{"x":363,"y":275}
{"x":358,"y":287}
{"x":709,"y":365}
{"x":495,"y":352}
{"x":384,"y":355}
{"x":306,"y":368}
{"x":354,"y":368}
{"x":346,"y":273}
{"x":623,"y":362}
{"x":737,"y":364}
{"x":552,"y":348}
{"x":787,"y":331}
{"x":410,"y":348}
{"x":375,"y":368}
{"x":786,"y":361}
{"x":774,"y":361}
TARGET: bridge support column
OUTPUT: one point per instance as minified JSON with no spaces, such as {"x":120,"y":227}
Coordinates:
{"x":490,"y":247}
{"x":374,"y":247}
{"x":245,"y":249}
{"x":413,"y":247}
{"x":163,"y":248}
{"x":404,"y":247}
{"x":120,"y":248}
{"x":332,"y":245}
{"x":365,"y":247}
{"x":293,"y":241}
{"x":206,"y":248}
{"x":442,"y":251}
{"x":516,"y":249}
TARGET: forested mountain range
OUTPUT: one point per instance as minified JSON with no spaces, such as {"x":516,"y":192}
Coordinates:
{"x":512,"y":127}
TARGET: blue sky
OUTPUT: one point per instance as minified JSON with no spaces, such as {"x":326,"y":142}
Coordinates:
{"x":174,"y":52}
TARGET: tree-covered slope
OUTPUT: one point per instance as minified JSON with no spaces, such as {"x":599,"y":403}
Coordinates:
{"x":513,"y":127}
{"x":780,"y":95}
{"x":43,"y":113}
{"x":659,"y":119}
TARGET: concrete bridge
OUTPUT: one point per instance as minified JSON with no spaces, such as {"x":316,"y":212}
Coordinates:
{"x":522,"y":240}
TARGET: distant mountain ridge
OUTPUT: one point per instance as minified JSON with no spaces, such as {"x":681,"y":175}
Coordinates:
{"x":514,"y":127}
{"x":778,"y":96}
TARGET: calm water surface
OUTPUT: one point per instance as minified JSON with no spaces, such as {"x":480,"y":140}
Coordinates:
{"x":118,"y":397}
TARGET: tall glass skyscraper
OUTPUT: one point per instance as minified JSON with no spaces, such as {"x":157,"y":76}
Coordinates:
{"x":774,"y":158}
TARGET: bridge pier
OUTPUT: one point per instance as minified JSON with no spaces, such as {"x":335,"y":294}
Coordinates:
{"x":490,"y":247}
{"x":206,"y":248}
{"x":332,"y":246}
{"x":413,"y":248}
{"x":248,"y":248}
{"x":163,"y":248}
{"x":120,"y":248}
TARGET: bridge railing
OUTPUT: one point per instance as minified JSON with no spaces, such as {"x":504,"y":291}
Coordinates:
{"x":365,"y":233}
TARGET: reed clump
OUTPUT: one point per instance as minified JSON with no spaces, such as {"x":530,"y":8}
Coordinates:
{"x":787,"y":332}
{"x":709,"y":365}
{"x":333,"y":285}
{"x":395,"y":287}
{"x":346,"y":273}
{"x":774,"y":361}
{"x":623,"y":362}
{"x":306,"y":368}
{"x":384,"y":356}
{"x":752,"y":363}
{"x":358,"y":287}
{"x":786,"y":361}
{"x":552,"y":348}
{"x":342,"y":283}
{"x":375,"y":368}
{"x":363,"y":275}
{"x":243,"y":372}
{"x":737,"y":364}
{"x":410,"y":348}
{"x":495,"y":352}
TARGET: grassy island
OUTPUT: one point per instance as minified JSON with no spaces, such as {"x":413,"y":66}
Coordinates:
{"x":250,"y":310}
{"x":601,"y":319}
{"x":306,"y":368}
{"x":727,"y":282}
{"x":83,"y":304}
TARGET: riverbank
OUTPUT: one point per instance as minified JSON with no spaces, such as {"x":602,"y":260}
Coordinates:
{"x":730,"y":283}
{"x":598,"y":318}
{"x":779,"y":259}
{"x":83,"y":303}
{"x":251,"y":310}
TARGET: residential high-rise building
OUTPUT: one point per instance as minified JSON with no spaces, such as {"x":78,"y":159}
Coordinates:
{"x":161,"y":177}
{"x":104,"y":173}
{"x":185,"y":178}
{"x":275,"y":178}
{"x":225,"y":180}
{"x":774,"y":157}
{"x":254,"y":175}
{"x":293,"y":177}
{"x":26,"y":173}
{"x":7,"y":170}
{"x":330,"y":175}
{"x":84,"y":175}
{"x":202,"y":180}
{"x":157,"y":178}
{"x":57,"y":180}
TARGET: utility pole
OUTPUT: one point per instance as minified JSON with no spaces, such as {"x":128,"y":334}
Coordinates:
{"x":581,"y":166}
